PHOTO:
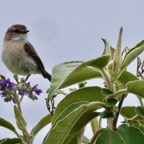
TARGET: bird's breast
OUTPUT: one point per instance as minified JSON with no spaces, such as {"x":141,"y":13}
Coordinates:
{"x":16,"y":59}
{"x":12,"y":52}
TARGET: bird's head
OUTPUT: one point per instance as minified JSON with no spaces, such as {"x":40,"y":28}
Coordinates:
{"x":16,"y":32}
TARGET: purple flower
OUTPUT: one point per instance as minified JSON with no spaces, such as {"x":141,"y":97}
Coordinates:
{"x":34,"y":87}
{"x":9,"y":85}
{"x":2,"y":85}
{"x":23,"y":91}
{"x":36,"y":90}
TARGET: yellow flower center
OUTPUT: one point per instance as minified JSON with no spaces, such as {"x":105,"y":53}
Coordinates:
{"x":7,"y":84}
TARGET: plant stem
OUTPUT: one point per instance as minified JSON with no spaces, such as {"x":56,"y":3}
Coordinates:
{"x":96,"y":135}
{"x":118,"y":93}
{"x":17,"y":102}
{"x":109,"y":123}
{"x":16,"y":98}
{"x":21,"y":98}
{"x":106,"y":77}
{"x":117,"y":113}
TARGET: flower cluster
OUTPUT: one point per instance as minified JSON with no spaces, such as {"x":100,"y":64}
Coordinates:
{"x":5,"y":87}
{"x":26,"y":89}
{"x":8,"y":90}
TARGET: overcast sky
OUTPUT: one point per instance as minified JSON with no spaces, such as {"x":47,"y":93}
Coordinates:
{"x":67,"y":30}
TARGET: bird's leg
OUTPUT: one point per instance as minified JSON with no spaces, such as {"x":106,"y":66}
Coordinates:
{"x":27,"y":77}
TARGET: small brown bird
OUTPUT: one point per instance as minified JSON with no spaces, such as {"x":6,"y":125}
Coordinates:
{"x":19,"y":55}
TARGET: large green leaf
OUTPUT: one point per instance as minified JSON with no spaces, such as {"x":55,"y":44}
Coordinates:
{"x":41,"y":124}
{"x":136,"y":87}
{"x":126,"y":77}
{"x":109,"y":137}
{"x":139,"y":124}
{"x":139,"y":44}
{"x":87,"y":94}
{"x":74,"y":119}
{"x":69,"y":73}
{"x":6,"y":124}
{"x":128,"y":112}
{"x":130,"y":134}
{"x":78,"y":138}
{"x":11,"y":141}
{"x":132,"y":54}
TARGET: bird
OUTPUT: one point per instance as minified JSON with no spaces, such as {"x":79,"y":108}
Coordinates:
{"x":19,"y":55}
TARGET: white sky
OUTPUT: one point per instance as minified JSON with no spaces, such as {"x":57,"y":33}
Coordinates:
{"x":67,"y":30}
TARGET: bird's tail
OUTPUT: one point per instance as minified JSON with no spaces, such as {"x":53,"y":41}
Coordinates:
{"x":48,"y":76}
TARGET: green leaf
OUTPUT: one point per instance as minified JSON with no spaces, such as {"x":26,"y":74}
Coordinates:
{"x":136,"y":87}
{"x":107,"y":114}
{"x":109,"y":137}
{"x":78,"y":138}
{"x":21,"y":123}
{"x":106,"y":92}
{"x":110,"y":102}
{"x":6,"y":124}
{"x":68,"y":126}
{"x":130,"y":134}
{"x":128,"y":112}
{"x":41,"y":124}
{"x":119,"y":42}
{"x":11,"y":141}
{"x":141,"y":43}
{"x":85,"y":140}
{"x":140,"y":110}
{"x":99,"y":62}
{"x":87,"y":94}
{"x":132,"y":54}
{"x":139,"y":124}
{"x":68,"y":110}
{"x":95,"y":125}
{"x":117,"y":55}
{"x":70,"y":73}
{"x":126,"y":77}
{"x":108,"y":50}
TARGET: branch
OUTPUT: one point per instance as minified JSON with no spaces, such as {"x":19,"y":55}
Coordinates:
{"x":117,"y":113}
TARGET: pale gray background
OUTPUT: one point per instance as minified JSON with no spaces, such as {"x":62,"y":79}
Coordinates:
{"x":66,"y":30}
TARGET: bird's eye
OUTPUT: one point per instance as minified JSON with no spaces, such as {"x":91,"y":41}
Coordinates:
{"x":16,"y":31}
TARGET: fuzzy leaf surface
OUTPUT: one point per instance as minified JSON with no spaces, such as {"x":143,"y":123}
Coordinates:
{"x":71,"y":122}
{"x":131,"y":134}
{"x":70,"y":73}
{"x":136,"y":87}
{"x":6,"y":124}
{"x":132,"y":54}
{"x":109,"y":137}
{"x":87,"y":94}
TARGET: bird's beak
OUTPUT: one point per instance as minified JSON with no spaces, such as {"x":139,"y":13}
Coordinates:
{"x":24,"y":32}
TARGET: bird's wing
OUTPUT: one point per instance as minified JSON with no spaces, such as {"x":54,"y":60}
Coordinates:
{"x":33,"y":54}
